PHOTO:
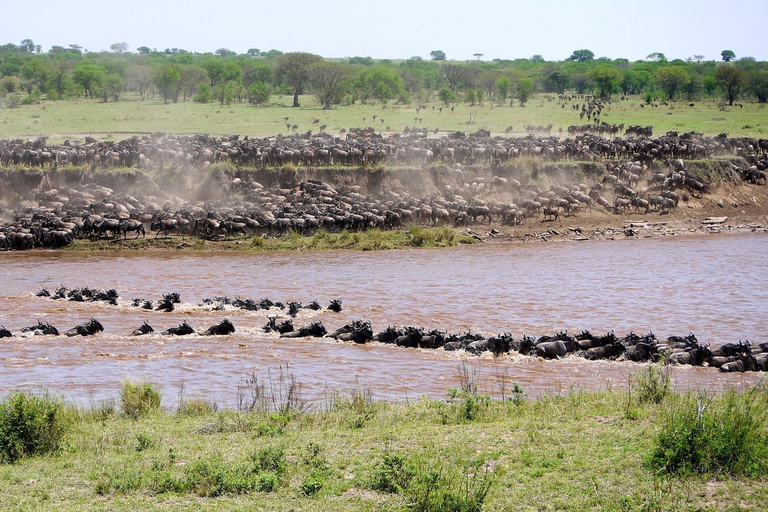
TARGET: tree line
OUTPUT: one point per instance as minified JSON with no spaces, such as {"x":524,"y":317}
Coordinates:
{"x":27,"y":75}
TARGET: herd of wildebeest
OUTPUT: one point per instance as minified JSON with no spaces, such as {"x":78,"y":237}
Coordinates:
{"x":638,"y":173}
{"x":742,"y":356}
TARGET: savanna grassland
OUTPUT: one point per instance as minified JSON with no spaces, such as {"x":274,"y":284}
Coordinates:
{"x":652,"y":449}
{"x":75,"y":119}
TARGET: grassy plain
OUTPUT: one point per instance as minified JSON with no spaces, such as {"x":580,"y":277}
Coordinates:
{"x":581,"y":451}
{"x":368,"y":240}
{"x":74,"y":119}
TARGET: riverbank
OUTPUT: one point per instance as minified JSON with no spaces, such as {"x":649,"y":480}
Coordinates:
{"x":578,"y":451}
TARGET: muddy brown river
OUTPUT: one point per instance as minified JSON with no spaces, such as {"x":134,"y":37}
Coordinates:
{"x":715,"y":286}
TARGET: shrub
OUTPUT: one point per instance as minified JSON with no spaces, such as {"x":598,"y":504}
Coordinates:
{"x":270,"y":459}
{"x":312,"y":485}
{"x":392,"y":474}
{"x":652,"y":385}
{"x":724,"y":435}
{"x":29,"y":425}
{"x":12,"y":101}
{"x":138,"y":399}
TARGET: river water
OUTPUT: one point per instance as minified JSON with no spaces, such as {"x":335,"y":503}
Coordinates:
{"x":715,"y":286}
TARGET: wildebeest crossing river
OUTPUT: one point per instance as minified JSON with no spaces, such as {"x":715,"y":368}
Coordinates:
{"x":713,"y":286}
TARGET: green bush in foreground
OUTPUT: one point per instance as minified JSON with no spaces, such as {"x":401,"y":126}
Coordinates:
{"x":29,"y":425}
{"x":727,"y":434}
{"x":139,"y":398}
{"x":653,"y":385}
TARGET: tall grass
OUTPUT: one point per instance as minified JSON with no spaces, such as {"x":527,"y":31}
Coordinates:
{"x":726,"y":434}
{"x":139,"y":398}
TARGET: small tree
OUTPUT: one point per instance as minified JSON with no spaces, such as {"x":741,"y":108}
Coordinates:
{"x":730,"y":79}
{"x":606,"y":79}
{"x":293,"y":69}
{"x":537,"y":59}
{"x":87,"y":76}
{"x":259,"y":93}
{"x":758,"y":85}
{"x":698,"y":58}
{"x":139,"y":77}
{"x":165,"y":77}
{"x":671,"y":78}
{"x":329,"y":81}
{"x":727,"y":55}
{"x":446,"y":95}
{"x":657,"y":57}
{"x":523,"y":90}
{"x":203,"y":94}
{"x":112,"y":85}
{"x":503,"y":86}
{"x":437,"y":55}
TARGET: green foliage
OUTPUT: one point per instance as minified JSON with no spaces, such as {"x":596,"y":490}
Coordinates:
{"x":671,"y":79}
{"x":259,"y":93}
{"x":653,"y":385}
{"x":426,"y":487}
{"x":503,"y":86}
{"x":203,"y":94}
{"x":138,"y":398}
{"x":29,"y":425}
{"x":437,"y":55}
{"x":271,"y":459}
{"x":392,"y":474}
{"x":730,"y":79}
{"x":446,"y":95}
{"x":727,"y":55}
{"x":758,"y":85}
{"x":165,"y":78}
{"x":10,"y":84}
{"x":728,"y":434}
{"x":606,"y":79}
{"x":523,"y":90}
{"x":582,"y":55}
{"x":12,"y":101}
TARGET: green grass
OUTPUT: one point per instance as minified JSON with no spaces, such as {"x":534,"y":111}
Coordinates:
{"x":60,"y":120}
{"x":369,"y":240}
{"x":574,"y":452}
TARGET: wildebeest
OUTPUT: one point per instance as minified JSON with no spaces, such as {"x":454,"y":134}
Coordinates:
{"x":144,"y":329}
{"x":183,"y":329}
{"x":88,"y":328}
{"x":221,"y":329}
{"x":315,"y":329}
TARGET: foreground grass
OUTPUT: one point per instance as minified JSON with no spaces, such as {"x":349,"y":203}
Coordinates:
{"x":582,"y":451}
{"x":60,"y":120}
{"x":370,"y":240}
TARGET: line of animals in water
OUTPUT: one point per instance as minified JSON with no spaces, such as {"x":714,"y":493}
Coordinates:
{"x":742,"y":356}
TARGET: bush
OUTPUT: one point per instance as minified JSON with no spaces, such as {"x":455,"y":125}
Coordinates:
{"x":312,"y":485}
{"x":203,"y":94}
{"x":138,"y":399}
{"x":652,"y":385}
{"x":29,"y":425}
{"x":727,"y":435}
{"x":12,"y":101}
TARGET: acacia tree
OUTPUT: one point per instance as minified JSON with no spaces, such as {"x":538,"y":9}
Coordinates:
{"x":384,"y":84}
{"x":112,"y":85}
{"x":671,"y":78}
{"x":293,"y":69}
{"x":87,"y":75}
{"x":437,"y":54}
{"x":758,"y":85}
{"x":38,"y":69}
{"x":165,"y":77}
{"x":606,"y":79}
{"x":139,"y":77}
{"x":328,"y":81}
{"x":119,"y":47}
{"x":730,"y":79}
{"x":503,"y":86}
{"x":727,"y":55}
{"x":61,"y":67}
{"x":523,"y":90}
{"x":582,"y":55}
{"x":453,"y":74}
